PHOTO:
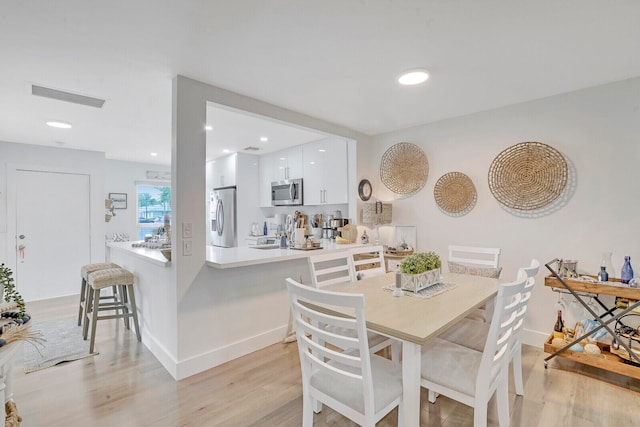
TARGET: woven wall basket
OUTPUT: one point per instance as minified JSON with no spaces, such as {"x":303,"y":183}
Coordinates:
{"x":455,"y":193}
{"x":528,"y":175}
{"x":404,"y":168}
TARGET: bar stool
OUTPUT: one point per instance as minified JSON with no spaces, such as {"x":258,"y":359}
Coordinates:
{"x":124,"y":307}
{"x":85,"y":270}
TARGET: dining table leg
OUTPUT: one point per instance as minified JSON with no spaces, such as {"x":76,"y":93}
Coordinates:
{"x":411,"y":383}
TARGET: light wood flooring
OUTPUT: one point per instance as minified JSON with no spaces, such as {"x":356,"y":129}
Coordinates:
{"x":126,"y":386}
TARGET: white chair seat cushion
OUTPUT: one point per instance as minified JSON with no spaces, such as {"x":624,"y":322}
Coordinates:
{"x":459,"y":368}
{"x":471,"y":333}
{"x":387,"y":384}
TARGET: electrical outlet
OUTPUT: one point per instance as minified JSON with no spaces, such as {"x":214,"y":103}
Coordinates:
{"x":187,"y":230}
{"x":187,"y":247}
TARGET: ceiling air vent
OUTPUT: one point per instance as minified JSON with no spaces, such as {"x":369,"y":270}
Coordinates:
{"x":60,"y":95}
{"x":251,"y":148}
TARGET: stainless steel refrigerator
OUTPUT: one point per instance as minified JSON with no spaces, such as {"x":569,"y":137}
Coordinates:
{"x":223,"y":217}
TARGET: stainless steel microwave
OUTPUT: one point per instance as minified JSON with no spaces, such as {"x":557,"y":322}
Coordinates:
{"x":287,"y":192}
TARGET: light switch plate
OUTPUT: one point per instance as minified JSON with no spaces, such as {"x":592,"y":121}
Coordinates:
{"x":187,"y":247}
{"x":187,"y":230}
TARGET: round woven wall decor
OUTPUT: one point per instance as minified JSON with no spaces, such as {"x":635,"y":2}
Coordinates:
{"x":528,"y":175}
{"x":455,"y":193}
{"x":404,"y":168}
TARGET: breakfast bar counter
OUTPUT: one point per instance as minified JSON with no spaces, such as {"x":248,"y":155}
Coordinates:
{"x":244,"y":256}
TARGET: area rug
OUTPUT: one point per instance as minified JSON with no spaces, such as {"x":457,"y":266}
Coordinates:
{"x":63,"y":343}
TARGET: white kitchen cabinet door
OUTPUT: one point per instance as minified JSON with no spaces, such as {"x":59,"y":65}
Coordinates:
{"x":224,"y":171}
{"x":335,"y":172}
{"x":325,"y":172}
{"x":313,"y":171}
{"x":288,"y":163}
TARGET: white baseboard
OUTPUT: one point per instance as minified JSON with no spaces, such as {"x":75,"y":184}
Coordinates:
{"x":534,"y":338}
{"x":193,"y":365}
{"x":160,"y":352}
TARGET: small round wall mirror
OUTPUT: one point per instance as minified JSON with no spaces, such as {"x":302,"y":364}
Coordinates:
{"x":364,"y":190}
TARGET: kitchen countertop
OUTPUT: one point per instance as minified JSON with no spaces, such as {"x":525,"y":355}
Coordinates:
{"x":245,"y":255}
{"x":152,"y":255}
{"x":241,"y":256}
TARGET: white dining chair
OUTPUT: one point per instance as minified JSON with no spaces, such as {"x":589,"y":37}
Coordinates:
{"x":330,"y":268}
{"x":472,"y":377}
{"x":473,"y":333}
{"x":368,"y":261}
{"x":337,"y":267}
{"x":345,"y":375}
{"x":476,"y":261}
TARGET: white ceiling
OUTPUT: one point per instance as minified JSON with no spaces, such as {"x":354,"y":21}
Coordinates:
{"x":335,"y":60}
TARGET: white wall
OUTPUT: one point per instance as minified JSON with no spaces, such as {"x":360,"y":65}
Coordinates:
{"x":198,"y":323}
{"x":598,"y":132}
{"x":121,"y":177}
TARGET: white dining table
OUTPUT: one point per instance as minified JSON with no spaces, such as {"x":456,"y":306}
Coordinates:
{"x":414,"y":320}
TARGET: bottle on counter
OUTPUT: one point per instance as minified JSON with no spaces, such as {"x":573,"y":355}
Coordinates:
{"x":603,"y":276}
{"x":608,"y":264}
{"x":627,"y":271}
{"x":558,"y":327}
{"x":264,"y":229}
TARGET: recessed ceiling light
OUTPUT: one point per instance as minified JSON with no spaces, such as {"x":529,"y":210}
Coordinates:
{"x":59,"y":124}
{"x":322,"y":150}
{"x":264,"y":139}
{"x":154,"y":154}
{"x":207,"y":127}
{"x":226,"y":150}
{"x":413,"y":77}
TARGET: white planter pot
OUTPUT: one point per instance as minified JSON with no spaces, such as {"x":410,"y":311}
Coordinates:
{"x":417,"y":282}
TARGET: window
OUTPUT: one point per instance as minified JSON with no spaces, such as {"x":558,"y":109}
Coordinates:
{"x":154,"y":202}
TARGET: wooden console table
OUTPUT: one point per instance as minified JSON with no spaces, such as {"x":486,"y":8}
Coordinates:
{"x":607,"y":360}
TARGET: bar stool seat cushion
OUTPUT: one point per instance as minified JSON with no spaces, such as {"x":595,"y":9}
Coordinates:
{"x":110,"y":277}
{"x":90,"y":268}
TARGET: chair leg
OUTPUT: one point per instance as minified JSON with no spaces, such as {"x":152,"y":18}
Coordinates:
{"x":480,"y":413}
{"x":503,"y":401}
{"x":94,"y":318}
{"x":400,"y":415}
{"x":517,"y":370}
{"x":396,"y":351}
{"x":88,"y":308}
{"x":432,"y":396}
{"x":133,"y":308}
{"x":83,"y":290}
{"x":307,"y":410}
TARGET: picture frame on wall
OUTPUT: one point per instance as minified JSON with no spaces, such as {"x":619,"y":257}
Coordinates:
{"x":119,"y":200}
{"x":405,"y":234}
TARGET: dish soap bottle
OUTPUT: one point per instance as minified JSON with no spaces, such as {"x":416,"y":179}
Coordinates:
{"x":627,"y":272}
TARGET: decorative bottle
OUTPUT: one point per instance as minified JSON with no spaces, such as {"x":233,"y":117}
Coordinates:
{"x":603,"y":276}
{"x":606,"y":262}
{"x":627,"y":272}
{"x":557,"y":328}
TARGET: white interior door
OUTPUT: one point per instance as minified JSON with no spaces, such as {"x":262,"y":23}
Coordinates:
{"x":52,"y":233}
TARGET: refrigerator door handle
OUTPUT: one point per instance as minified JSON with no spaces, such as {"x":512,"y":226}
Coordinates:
{"x":220,"y":217}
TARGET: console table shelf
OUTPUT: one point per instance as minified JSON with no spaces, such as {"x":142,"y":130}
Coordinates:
{"x":606,"y":360}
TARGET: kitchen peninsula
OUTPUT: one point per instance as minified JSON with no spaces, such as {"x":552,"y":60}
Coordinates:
{"x":238,"y":305}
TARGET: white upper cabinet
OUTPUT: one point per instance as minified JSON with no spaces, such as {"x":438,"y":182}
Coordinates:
{"x":325,"y":172}
{"x":223,"y":171}
{"x":278,"y":166}
{"x":288,"y":164}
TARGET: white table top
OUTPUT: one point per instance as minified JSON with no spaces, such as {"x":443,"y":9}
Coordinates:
{"x":415,"y":319}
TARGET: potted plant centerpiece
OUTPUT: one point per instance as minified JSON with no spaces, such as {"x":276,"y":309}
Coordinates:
{"x":420,"y":270}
